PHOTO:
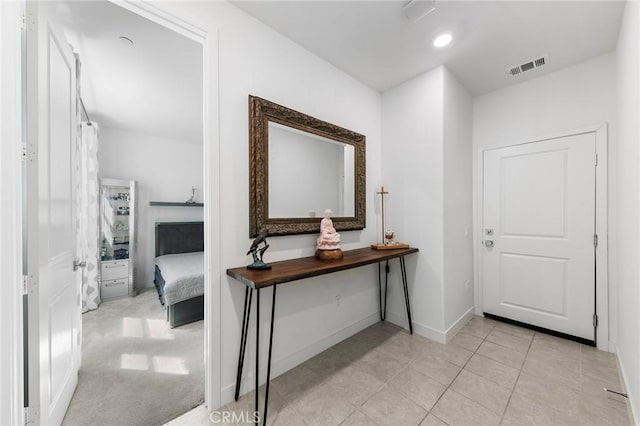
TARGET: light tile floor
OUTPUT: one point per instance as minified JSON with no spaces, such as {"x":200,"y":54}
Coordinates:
{"x":490,"y":373}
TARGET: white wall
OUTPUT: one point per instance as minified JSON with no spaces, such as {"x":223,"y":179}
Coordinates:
{"x":426,"y":129}
{"x":627,"y":164}
{"x":166,"y":170}
{"x":254,"y":59}
{"x":457,"y":200}
{"x":412,"y":170}
{"x":572,"y":98}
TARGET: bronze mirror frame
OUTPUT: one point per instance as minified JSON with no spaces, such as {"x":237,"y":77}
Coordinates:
{"x":261,"y":112}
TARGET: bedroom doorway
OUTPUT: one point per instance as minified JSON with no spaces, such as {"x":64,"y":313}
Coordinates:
{"x":122,"y":148}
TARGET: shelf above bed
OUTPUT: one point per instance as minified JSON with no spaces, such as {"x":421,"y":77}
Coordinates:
{"x":174,"y":204}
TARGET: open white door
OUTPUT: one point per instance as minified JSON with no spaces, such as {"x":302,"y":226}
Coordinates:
{"x":54,"y":296}
{"x":538,"y":263}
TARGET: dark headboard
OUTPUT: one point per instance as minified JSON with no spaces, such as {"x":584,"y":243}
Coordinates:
{"x":179,"y":237}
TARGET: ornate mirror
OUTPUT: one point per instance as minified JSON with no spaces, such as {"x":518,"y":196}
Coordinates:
{"x":300,"y":166}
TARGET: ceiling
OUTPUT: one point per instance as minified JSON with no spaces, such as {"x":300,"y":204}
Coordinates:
{"x":374,"y":42}
{"x":155,"y":85}
{"x":152,"y":86}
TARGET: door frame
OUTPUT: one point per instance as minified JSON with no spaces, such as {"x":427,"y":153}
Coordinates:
{"x":11,"y":259}
{"x":602,"y":253}
{"x":211,"y":186}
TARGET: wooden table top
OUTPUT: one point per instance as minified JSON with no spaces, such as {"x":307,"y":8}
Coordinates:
{"x":305,"y":267}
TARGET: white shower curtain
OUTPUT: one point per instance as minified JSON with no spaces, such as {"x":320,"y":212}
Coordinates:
{"x":88,"y":213}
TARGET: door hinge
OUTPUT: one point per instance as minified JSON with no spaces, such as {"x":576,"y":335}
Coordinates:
{"x":595,"y":162}
{"x":25,"y":282}
{"x":595,"y":240}
{"x":595,"y":320}
{"x":24,"y":152}
{"x":23,"y":21}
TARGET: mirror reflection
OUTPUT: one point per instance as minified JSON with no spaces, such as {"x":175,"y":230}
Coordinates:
{"x":309,"y":174}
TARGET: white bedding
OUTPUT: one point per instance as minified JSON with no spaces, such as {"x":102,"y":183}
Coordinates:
{"x":183,"y":275}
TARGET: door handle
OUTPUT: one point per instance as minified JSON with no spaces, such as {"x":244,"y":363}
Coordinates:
{"x":488,"y":243}
{"x":77,"y":264}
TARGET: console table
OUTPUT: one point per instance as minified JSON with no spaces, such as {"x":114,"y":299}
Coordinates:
{"x":297,"y":269}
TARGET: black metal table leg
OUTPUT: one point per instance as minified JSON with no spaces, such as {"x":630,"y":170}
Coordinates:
{"x":266,"y":394}
{"x":257,"y":373}
{"x":248,"y":296}
{"x":383,"y":299}
{"x":405,"y":286}
{"x":380,"y":292}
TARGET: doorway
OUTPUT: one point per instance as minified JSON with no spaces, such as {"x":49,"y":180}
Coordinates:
{"x":543,"y":232}
{"x":210,"y":187}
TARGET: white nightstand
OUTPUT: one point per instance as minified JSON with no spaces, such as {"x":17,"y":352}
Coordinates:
{"x":114,"y":282}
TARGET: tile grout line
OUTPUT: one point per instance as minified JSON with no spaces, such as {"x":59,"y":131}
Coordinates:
{"x":454,"y":379}
{"x":324,"y":382}
{"x":506,"y":347}
{"x":290,"y":403}
{"x":385,"y":383}
{"x":404,"y":365}
{"x":407,"y":365}
{"x":475,"y":352}
{"x":434,"y":404}
{"x":580,"y":388}
{"x":517,"y":378}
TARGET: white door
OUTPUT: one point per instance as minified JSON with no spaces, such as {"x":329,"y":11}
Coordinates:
{"x":54,"y":296}
{"x":539,"y":218}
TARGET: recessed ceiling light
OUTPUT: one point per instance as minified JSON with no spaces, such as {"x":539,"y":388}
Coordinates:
{"x":442,"y":40}
{"x":126,"y":40}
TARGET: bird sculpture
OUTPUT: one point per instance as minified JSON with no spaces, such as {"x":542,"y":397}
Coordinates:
{"x":258,"y":252}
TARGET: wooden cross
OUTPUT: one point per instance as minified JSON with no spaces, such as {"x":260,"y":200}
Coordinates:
{"x":382,"y":193}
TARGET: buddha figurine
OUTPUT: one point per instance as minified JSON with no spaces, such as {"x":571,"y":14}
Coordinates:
{"x":328,"y":243}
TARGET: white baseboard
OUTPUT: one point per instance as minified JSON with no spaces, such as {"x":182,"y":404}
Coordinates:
{"x":634,"y":412}
{"x":283,"y":365}
{"x":418,"y":328}
{"x":459,"y":323}
{"x":429,"y":332}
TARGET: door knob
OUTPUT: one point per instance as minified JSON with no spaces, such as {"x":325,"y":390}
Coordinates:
{"x":77,"y":264}
{"x":488,"y":243}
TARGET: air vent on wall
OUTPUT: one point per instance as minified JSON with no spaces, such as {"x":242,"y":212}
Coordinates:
{"x":536,"y":63}
{"x":415,"y":10}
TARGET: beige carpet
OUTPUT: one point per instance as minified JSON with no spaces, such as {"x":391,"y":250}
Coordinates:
{"x":135,"y":369}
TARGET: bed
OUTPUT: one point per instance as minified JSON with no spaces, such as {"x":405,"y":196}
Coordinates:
{"x":179,"y":270}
